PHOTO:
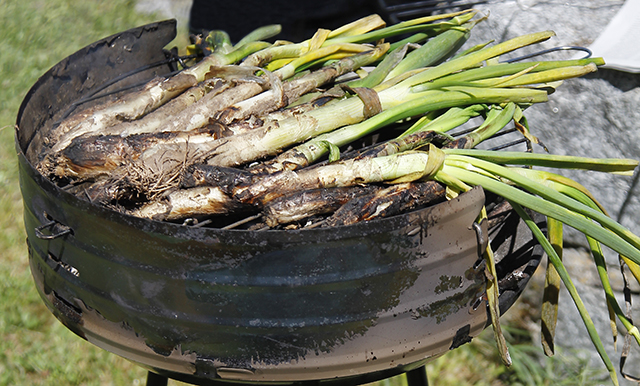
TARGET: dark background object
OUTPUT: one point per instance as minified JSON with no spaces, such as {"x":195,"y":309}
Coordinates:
{"x":299,"y":19}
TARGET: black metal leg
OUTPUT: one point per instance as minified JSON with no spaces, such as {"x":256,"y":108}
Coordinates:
{"x":417,"y":377}
{"x":154,"y":379}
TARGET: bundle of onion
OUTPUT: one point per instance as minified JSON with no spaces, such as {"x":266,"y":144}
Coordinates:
{"x":262,"y":129}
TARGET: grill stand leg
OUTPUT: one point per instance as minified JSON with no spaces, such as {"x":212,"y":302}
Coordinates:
{"x":154,"y":379}
{"x":417,"y":377}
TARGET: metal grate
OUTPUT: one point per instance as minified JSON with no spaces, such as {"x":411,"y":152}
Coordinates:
{"x":398,"y":10}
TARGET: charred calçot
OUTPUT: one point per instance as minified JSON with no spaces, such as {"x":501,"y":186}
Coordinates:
{"x":387,"y":202}
{"x":309,"y":203}
{"x":242,"y":130}
{"x":93,"y":156}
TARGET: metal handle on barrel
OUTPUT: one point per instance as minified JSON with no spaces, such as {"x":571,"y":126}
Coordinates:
{"x":55,"y":227}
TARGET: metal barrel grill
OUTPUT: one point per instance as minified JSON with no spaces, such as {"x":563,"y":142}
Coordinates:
{"x":204,"y":305}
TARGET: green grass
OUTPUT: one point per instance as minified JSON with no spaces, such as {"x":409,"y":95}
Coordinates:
{"x":35,"y":349}
{"x":478,"y":364}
